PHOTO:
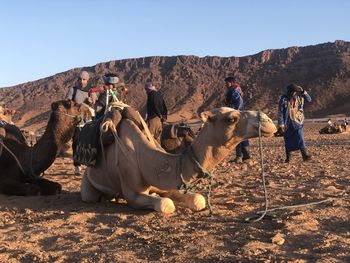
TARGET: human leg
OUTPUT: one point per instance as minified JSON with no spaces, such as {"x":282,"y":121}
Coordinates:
{"x":155,"y":128}
{"x":288,"y":156}
{"x":305,"y":154}
{"x":239,"y":154}
{"x":245,"y":150}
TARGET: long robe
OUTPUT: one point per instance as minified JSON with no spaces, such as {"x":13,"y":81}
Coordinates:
{"x":291,"y":115}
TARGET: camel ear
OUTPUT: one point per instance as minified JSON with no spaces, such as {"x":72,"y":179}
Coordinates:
{"x":207,"y":116}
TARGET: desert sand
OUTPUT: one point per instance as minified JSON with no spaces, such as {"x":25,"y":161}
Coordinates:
{"x":64,"y":229}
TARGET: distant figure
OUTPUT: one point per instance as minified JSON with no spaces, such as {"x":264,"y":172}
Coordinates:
{"x":6,"y":114}
{"x":157,"y":111}
{"x":114,"y":90}
{"x":345,"y":124}
{"x":234,"y":99}
{"x":329,"y":125}
{"x":80,"y":95}
{"x":80,"y":92}
{"x":291,"y":120}
{"x":329,"y":122}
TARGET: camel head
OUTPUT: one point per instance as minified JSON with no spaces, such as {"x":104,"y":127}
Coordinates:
{"x":226,"y":127}
{"x":65,"y":116}
{"x":66,"y":108}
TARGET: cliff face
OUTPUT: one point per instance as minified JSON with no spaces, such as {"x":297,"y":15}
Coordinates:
{"x":191,"y":84}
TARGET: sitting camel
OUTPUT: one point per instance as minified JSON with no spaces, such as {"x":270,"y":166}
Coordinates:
{"x":176,"y":137}
{"x":21,"y":165}
{"x":136,"y":169}
{"x":331,"y":129}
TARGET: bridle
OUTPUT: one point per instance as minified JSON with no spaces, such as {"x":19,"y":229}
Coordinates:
{"x":203,"y":174}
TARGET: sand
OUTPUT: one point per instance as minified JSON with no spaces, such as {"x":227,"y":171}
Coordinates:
{"x":64,"y":229}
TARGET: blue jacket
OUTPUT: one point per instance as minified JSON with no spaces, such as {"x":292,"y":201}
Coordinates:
{"x":234,"y":98}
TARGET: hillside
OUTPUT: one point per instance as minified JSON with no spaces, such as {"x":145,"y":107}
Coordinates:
{"x":191,"y":84}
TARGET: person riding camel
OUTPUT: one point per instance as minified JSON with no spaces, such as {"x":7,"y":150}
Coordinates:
{"x":114,"y":90}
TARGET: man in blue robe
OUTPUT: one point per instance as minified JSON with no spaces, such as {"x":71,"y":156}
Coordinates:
{"x":234,"y":99}
{"x":291,"y":120}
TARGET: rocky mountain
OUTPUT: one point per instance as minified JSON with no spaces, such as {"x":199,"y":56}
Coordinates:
{"x":192,"y":84}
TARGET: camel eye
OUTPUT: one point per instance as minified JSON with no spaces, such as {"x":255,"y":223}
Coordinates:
{"x":231,"y":119}
{"x":67,"y":103}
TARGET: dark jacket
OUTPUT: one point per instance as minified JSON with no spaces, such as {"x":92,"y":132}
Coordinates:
{"x":234,"y":98}
{"x":156,"y":106}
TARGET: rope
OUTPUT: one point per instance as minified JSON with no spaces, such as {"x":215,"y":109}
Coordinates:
{"x":252,"y":218}
{"x":14,"y":156}
{"x":117,"y":104}
{"x":185,"y":187}
{"x":147,"y":131}
{"x":256,"y":217}
{"x":69,"y":115}
{"x":296,"y":206}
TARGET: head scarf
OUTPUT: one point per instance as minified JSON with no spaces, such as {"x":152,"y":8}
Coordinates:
{"x":149,"y":87}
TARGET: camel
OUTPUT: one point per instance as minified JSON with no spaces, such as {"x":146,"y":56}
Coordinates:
{"x":331,"y":129}
{"x":176,"y":137}
{"x":147,"y":177}
{"x":21,"y":165}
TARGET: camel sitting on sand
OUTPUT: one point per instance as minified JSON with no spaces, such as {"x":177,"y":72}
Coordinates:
{"x":138,"y":170}
{"x":176,"y":137}
{"x":21,"y":165}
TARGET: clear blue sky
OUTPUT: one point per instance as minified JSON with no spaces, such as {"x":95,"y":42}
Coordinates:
{"x":39,"y":38}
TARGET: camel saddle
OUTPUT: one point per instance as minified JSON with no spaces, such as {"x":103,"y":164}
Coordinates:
{"x":87,"y":148}
{"x":93,"y":134}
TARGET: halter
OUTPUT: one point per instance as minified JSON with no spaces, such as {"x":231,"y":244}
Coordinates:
{"x":203,"y":174}
{"x":66,"y":114}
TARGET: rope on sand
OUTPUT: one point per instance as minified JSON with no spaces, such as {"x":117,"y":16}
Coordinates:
{"x":261,"y":214}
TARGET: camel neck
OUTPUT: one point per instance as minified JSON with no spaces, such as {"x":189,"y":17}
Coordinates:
{"x":45,"y":150}
{"x":208,"y":154}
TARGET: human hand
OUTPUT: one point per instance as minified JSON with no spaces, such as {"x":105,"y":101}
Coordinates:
{"x":282,"y":128}
{"x":299,"y":89}
{"x":91,"y":100}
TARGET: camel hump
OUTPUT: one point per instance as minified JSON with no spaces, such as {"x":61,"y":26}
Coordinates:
{"x":131,"y":114}
{"x":173,"y":131}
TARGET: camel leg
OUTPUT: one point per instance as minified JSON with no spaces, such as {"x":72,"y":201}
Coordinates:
{"x":88,"y":192}
{"x":12,"y":187}
{"x":145,"y":201}
{"x":193,"y":201}
{"x":48,"y":187}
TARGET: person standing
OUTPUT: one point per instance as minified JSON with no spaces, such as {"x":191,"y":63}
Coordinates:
{"x":234,"y":99}
{"x":157,"y":111}
{"x":291,"y":120}
{"x":80,"y":95}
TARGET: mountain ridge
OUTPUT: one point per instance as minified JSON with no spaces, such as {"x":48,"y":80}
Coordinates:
{"x":191,"y":84}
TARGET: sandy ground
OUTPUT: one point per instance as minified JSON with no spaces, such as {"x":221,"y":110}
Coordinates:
{"x":64,"y":229}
